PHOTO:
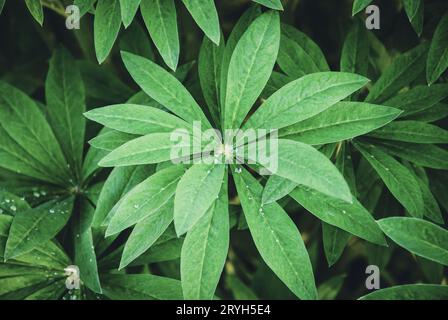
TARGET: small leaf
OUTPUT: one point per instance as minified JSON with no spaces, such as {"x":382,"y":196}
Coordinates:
{"x":276,"y":188}
{"x":415,"y":12}
{"x":106,"y":27}
{"x":276,"y":238}
{"x":36,"y":10}
{"x":197,"y":190}
{"x":111,"y":139}
{"x":272,"y":4}
{"x":334,"y":240}
{"x":438,"y":52}
{"x":355,"y":51}
{"x":161,"y":21}
{"x":418,"y":236}
{"x":359,"y":5}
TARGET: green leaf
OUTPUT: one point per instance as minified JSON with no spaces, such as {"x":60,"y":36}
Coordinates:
{"x":84,"y":6}
{"x":33,"y":227}
{"x":146,"y":232}
{"x":141,"y":287}
{"x":238,"y":30}
{"x":151,"y":148}
{"x":334,"y":240}
{"x":65,"y":96}
{"x":164,"y":88}
{"x":403,"y":70}
{"x":400,"y":182}
{"x":2,"y":3}
{"x":239,"y":290}
{"x":250,"y":67}
{"x":161,"y":21}
{"x":272,"y":4}
{"x":137,"y":119}
{"x":412,"y":131}
{"x":437,"y":61}
{"x":21,"y":118}
{"x":298,"y":54}
{"x":84,"y":251}
{"x":353,"y":218}
{"x":136,"y":40}
{"x":420,"y":237}
{"x":197,"y":190}
{"x":128,"y":10}
{"x":205,"y":15}
{"x":106,"y":27}
{"x":432,"y":209}
{"x":305,"y":165}
{"x":119,"y":182}
{"x":205,"y":249}
{"x":304,"y":98}
{"x":277,"y":238}
{"x":276,"y":188}
{"x":344,"y":120}
{"x":415,"y":12}
{"x":355,"y":51}
{"x":11,"y":203}
{"x":418,"y":99}
{"x":111,"y":139}
{"x":425,"y":155}
{"x":410,"y":292}
{"x":145,"y":199}
{"x":209,"y":65}
{"x":36,"y":10}
{"x":329,"y":289}
{"x":359,"y":5}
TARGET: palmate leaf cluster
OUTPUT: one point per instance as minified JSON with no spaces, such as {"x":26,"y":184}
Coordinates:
{"x":361,"y":171}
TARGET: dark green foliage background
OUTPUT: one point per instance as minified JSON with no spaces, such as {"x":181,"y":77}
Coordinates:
{"x":26,"y":49}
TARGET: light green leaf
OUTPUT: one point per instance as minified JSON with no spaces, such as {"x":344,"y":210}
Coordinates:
{"x":111,"y":139}
{"x":276,"y":188}
{"x":277,"y":238}
{"x":353,"y":218}
{"x":197,"y":190}
{"x":415,"y":12}
{"x":141,"y":287}
{"x":305,"y":165}
{"x":164,"y":88}
{"x":36,"y":10}
{"x":106,"y":27}
{"x":137,"y":119}
{"x":298,"y":54}
{"x":11,"y":203}
{"x":402,"y":71}
{"x":438,"y":52}
{"x":84,"y":6}
{"x":304,"y":98}
{"x":418,"y":236}
{"x":344,"y":120}
{"x":250,"y":67}
{"x":400,"y":182}
{"x":146,"y":232}
{"x":128,"y":10}
{"x":65,"y":96}
{"x":412,"y":131}
{"x":205,"y":249}
{"x":31,"y":228}
{"x":205,"y":15}
{"x":152,"y":148}
{"x":359,"y":5}
{"x":410,"y":292}
{"x":161,"y":21}
{"x":145,"y":199}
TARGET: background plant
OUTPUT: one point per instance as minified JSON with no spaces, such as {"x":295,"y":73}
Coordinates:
{"x":134,"y":230}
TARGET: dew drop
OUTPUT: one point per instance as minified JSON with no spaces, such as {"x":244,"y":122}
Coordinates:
{"x":238,"y":170}
{"x":7,"y":200}
{"x":343,"y":211}
{"x":51,"y":210}
{"x":13,"y":208}
{"x":136,"y":206}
